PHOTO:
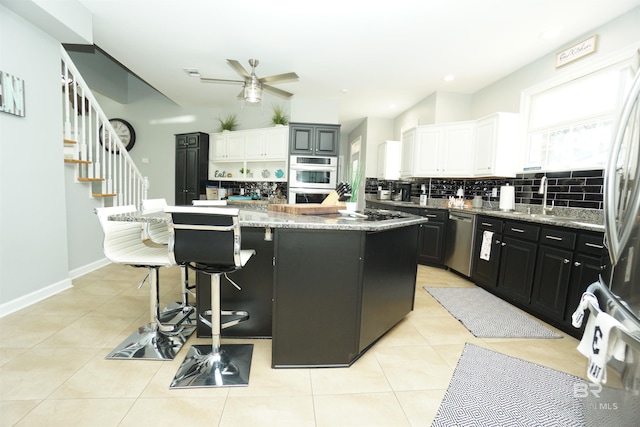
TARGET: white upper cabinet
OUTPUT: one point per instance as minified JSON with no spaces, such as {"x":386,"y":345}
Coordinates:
{"x":497,"y":150}
{"x":228,"y":146}
{"x":480,"y":148}
{"x":438,"y":150}
{"x":250,"y":145}
{"x":267,"y":144}
{"x":389,"y":153}
{"x":455,"y":151}
{"x":406,"y":158}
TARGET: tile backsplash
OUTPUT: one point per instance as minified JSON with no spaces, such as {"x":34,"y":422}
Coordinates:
{"x":572,"y":189}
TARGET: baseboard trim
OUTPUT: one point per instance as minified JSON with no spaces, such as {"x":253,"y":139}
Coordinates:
{"x":44,"y":293}
{"x":34,"y":297}
{"x":81,"y":271}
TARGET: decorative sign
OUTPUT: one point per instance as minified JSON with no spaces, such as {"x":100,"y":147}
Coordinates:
{"x":11,"y":94}
{"x":577,"y":51}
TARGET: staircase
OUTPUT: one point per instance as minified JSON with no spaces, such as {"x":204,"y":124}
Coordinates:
{"x":93,"y":148}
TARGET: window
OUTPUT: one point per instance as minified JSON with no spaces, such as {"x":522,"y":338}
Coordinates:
{"x":570,"y":123}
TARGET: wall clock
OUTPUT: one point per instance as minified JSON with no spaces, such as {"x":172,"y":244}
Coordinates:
{"x":126,"y":133}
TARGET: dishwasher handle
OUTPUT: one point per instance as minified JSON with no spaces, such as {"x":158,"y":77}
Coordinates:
{"x":455,"y":217}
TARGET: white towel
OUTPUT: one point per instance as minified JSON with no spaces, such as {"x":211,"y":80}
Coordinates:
{"x":598,"y":346}
{"x":485,"y":248}
{"x":578,"y":315}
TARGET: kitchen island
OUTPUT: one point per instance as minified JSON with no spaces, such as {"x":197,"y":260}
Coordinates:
{"x":339,"y":283}
{"x":324,"y":287}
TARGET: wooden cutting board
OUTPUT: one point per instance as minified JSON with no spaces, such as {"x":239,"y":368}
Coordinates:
{"x":304,"y":208}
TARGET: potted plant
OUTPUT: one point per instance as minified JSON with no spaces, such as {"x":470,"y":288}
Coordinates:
{"x":228,"y":123}
{"x":279,"y":117}
{"x":247,"y":171}
{"x":357,"y":177}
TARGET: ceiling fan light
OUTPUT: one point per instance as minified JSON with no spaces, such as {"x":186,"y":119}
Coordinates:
{"x":252,"y":93}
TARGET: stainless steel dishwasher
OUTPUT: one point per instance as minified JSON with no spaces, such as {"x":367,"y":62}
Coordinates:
{"x":458,"y":247}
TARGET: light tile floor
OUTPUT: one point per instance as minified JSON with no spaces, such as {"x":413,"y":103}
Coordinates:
{"x":53,"y":371}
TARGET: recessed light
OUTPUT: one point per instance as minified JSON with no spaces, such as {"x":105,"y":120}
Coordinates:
{"x":448,"y":78}
{"x":344,"y":90}
{"x":392,"y":106}
{"x":193,"y":72}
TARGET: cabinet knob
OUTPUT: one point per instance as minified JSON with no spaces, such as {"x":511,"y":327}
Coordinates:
{"x":497,"y":242}
{"x":577,"y":264}
{"x":504,"y":244}
{"x":566,"y":261}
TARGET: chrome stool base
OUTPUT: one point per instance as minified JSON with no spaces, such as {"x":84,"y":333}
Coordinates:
{"x":147,"y":343}
{"x":173,"y":313}
{"x":201,"y":367}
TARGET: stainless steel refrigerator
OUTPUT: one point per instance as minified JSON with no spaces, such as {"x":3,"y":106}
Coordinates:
{"x":617,"y":293}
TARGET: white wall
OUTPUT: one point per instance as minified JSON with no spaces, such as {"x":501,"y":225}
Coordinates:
{"x":504,"y":95}
{"x":33,"y":227}
{"x":452,"y":107}
{"x":423,"y":113}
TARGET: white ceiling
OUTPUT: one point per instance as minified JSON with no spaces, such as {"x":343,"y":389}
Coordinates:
{"x":366,"y":55}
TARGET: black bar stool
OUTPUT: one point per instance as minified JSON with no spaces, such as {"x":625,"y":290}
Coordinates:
{"x":208,"y":239}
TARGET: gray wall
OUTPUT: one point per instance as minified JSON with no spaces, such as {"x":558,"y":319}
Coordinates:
{"x":33,"y":227}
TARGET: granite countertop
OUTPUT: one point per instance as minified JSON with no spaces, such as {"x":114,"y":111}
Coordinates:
{"x":260,"y":216}
{"x":582,"y":219}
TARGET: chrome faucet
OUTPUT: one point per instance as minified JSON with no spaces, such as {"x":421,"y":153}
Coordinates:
{"x":546,"y":210}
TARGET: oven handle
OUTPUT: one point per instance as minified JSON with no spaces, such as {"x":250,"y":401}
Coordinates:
{"x":310,"y":190}
{"x":318,"y":168}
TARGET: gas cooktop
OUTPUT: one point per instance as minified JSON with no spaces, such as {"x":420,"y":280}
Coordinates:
{"x":381,"y":215}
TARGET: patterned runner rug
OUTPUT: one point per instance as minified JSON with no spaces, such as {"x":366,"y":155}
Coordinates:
{"x":493,"y":389}
{"x":487,"y":316}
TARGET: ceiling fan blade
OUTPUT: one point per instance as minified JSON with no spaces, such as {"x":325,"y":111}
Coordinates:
{"x":208,"y":80}
{"x":276,"y":91}
{"x":241,"y":95}
{"x":239,"y":68}
{"x":279,"y":78}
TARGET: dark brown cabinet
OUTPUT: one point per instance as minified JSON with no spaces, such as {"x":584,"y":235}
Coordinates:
{"x":431,"y":237}
{"x":432,"y":234}
{"x":192,"y":158}
{"x":517,"y":261}
{"x":485,"y":270}
{"x":553,"y":270}
{"x":588,"y":264}
{"x":326,"y":313}
{"x":314,"y":139}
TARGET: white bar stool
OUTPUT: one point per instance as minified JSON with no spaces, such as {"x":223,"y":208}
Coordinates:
{"x":123,"y":245}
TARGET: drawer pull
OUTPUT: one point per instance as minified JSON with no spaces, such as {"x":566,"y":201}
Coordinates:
{"x":554,"y":238}
{"x":431,"y":216}
{"x":593,"y":245}
{"x":518,"y":230}
{"x":486,"y":224}
{"x":577,"y":264}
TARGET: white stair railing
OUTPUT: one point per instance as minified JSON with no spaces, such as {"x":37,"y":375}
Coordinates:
{"x":98,"y":151}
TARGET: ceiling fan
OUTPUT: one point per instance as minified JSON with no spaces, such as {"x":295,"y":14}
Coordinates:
{"x":253,"y":86}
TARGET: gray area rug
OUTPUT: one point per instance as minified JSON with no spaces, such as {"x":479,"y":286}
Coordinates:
{"x":493,"y":389}
{"x":487,"y":316}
